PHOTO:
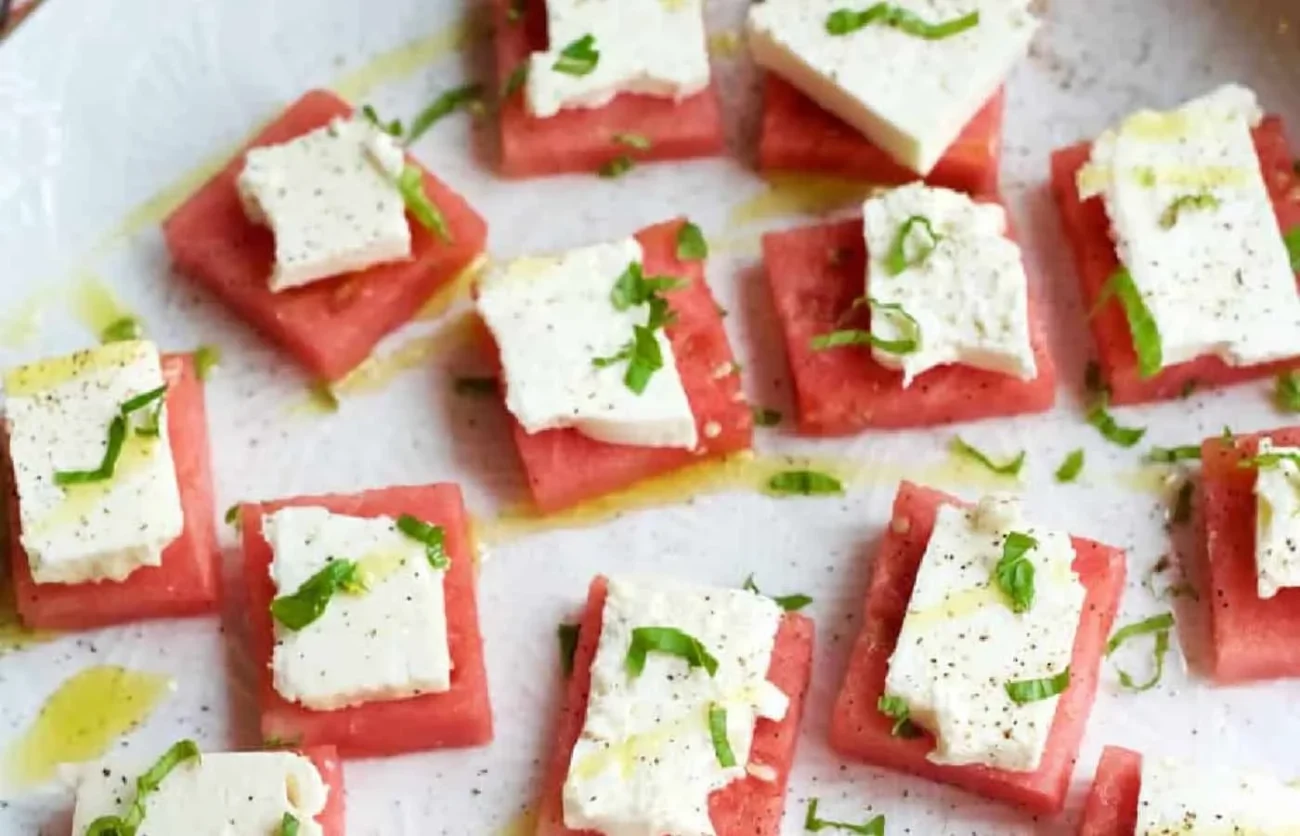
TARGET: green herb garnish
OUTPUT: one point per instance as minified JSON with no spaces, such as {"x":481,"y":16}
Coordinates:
{"x":895,"y":708}
{"x":616,"y":167}
{"x":1171,"y":455}
{"x":145,"y":786}
{"x":718,"y":731}
{"x":1100,"y":418}
{"x":206,"y":358}
{"x":1011,"y":468}
{"x":897,"y":260}
{"x":1071,"y":467}
{"x":764,"y":417}
{"x":1292,"y":242}
{"x":1014,"y":574}
{"x":908,"y":343}
{"x":578,"y":58}
{"x":476,"y":386}
{"x":642,"y":352}
{"x":813,"y":824}
{"x":804,"y":483}
{"x":567,"y":635}
{"x":411,"y":187}
{"x":301,"y":608}
{"x":232,"y":514}
{"x":1160,"y":625}
{"x":468,"y":96}
{"x":789,"y":603}
{"x":1287,"y":393}
{"x":1182,"y":511}
{"x":433,"y":537}
{"x":117,"y":438}
{"x":123,"y":330}
{"x":691,"y":245}
{"x":392,"y":128}
{"x":637,"y":142}
{"x":1204,"y":200}
{"x":288,"y":826}
{"x":847,"y":21}
{"x":1263,"y":461}
{"x":515,"y":81}
{"x":1033,"y":690}
{"x":1141,"y":324}
{"x":670,"y":641}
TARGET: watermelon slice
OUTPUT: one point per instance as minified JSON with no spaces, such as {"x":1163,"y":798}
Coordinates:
{"x":859,"y":730}
{"x":565,"y":467}
{"x":584,"y":139}
{"x":329,"y":326}
{"x":1113,"y":801}
{"x":188,"y":581}
{"x":459,"y":717}
{"x":333,"y":819}
{"x":1251,"y":638}
{"x":797,"y":135}
{"x":814,"y":274}
{"x":750,"y":807}
{"x":1088,"y":229}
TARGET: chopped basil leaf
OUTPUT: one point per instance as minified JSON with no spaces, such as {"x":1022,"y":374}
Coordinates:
{"x":633,"y":288}
{"x":567,"y":635}
{"x":446,"y":104}
{"x":476,"y":386}
{"x":804,"y":483}
{"x":392,"y":128}
{"x":288,"y":826}
{"x":691,"y":245}
{"x":1014,"y":574}
{"x":1033,"y":690}
{"x":117,"y":437}
{"x":1071,"y":467}
{"x":1160,"y":625}
{"x":908,"y":343}
{"x":667,"y":640}
{"x":847,"y":21}
{"x":1100,"y":418}
{"x":411,"y":186}
{"x":764,"y":417}
{"x":896,"y":261}
{"x":1204,"y":200}
{"x":1292,"y":241}
{"x":638,"y":142}
{"x":1170,"y":455}
{"x":1011,"y":468}
{"x":432,"y":536}
{"x":1287,"y":393}
{"x":206,"y":358}
{"x":578,"y":58}
{"x":645,"y":359}
{"x":616,"y":167}
{"x":1151,"y":625}
{"x":125,"y":329}
{"x":718,"y":731}
{"x":813,"y":824}
{"x":515,"y":81}
{"x":301,"y":608}
{"x":1264,"y":461}
{"x":642,"y":352}
{"x":1182,"y":511}
{"x":232,"y":514}
{"x":145,"y":785}
{"x":896,"y":709}
{"x":789,"y":603}
{"x":1141,"y":324}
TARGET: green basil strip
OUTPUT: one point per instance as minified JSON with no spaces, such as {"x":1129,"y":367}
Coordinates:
{"x":668,"y":640}
{"x":117,"y":438}
{"x":288,"y":826}
{"x":813,"y":824}
{"x":896,"y":261}
{"x":718,"y":731}
{"x":907,"y":344}
{"x":1014,"y":574}
{"x":1171,"y":455}
{"x":146,"y":785}
{"x":449,"y":102}
{"x":789,"y":603}
{"x":433,"y":537}
{"x":847,"y":21}
{"x":425,"y":212}
{"x":1160,"y":625}
{"x":1292,"y":242}
{"x":1033,"y":690}
{"x":895,"y":708}
{"x":1011,"y":468}
{"x":578,"y":58}
{"x":392,"y":128}
{"x":515,"y":81}
{"x":1287,"y":393}
{"x":1155,"y":623}
{"x":616,"y":167}
{"x":123,"y":330}
{"x":232,"y":514}
{"x":1110,"y":430}
{"x":567,"y":635}
{"x":804,"y":483}
{"x":1071,"y":467}
{"x":646,"y":359}
{"x":691,"y":245}
{"x":206,"y":358}
{"x":301,"y":608}
{"x":1264,"y":461}
{"x":1204,"y":200}
{"x":1141,"y":324}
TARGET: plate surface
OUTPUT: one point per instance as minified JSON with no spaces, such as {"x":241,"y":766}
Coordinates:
{"x":114,"y":111}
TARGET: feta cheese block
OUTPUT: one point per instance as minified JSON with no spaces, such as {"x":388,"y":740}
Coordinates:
{"x":58,"y":413}
{"x":221,"y":794}
{"x":909,"y":95}
{"x":551,"y":317}
{"x":1205,"y":800}
{"x":652,"y":47}
{"x":1194,"y":226}
{"x":1277,"y":521}
{"x":645,"y":762}
{"x":969,"y":295}
{"x":331,"y":199}
{"x":387,"y":642}
{"x":961,"y":643}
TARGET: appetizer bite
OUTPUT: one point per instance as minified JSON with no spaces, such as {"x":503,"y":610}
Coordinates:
{"x":614,"y":362}
{"x":1177,"y":219}
{"x":213,"y":794}
{"x":888,"y":92}
{"x":110,"y":488}
{"x":1137,"y":796}
{"x":920,"y":313}
{"x":324,"y":235}
{"x":596,"y":85}
{"x":365,"y":621}
{"x":977,"y":662}
{"x":682,"y":712}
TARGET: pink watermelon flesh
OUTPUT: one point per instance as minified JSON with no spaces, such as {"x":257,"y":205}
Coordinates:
{"x":1113,"y":801}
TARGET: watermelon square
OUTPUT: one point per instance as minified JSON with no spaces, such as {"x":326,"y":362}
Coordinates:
{"x":188,"y":582}
{"x":1112,"y":805}
{"x":860,"y":730}
{"x":1251,"y":638}
{"x":582,"y":140}
{"x":798,"y":135}
{"x":749,"y":807}
{"x":329,"y":326}
{"x":814,"y":274}
{"x":565,"y":467}
{"x":457,"y":718}
{"x":1088,"y":229}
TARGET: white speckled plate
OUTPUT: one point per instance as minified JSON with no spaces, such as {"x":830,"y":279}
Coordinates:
{"x":113,"y":111}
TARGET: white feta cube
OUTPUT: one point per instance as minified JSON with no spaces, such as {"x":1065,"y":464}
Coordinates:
{"x":220,"y":794}
{"x":961,"y":643}
{"x":645,"y":762}
{"x":909,"y":95}
{"x":388,"y":642}
{"x":331,"y":199}
{"x":652,"y":47}
{"x":552,"y":316}
{"x":1277,"y":521}
{"x":969,"y":295}
{"x":1195,"y":227}
{"x":59,"y":413}
{"x":1208,"y":800}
